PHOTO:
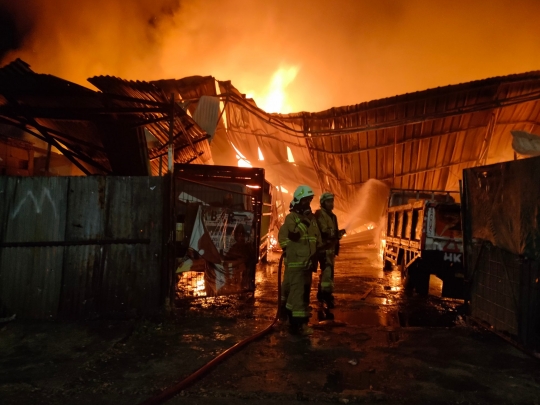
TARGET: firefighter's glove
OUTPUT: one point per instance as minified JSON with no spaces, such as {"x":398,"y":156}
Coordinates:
{"x":312,"y":264}
{"x":341,"y":233}
{"x":294,"y":236}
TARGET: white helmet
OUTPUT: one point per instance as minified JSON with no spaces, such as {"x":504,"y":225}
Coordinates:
{"x":326,"y":196}
{"x":302,"y":192}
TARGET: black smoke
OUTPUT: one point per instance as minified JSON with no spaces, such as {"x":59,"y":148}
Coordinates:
{"x":13,"y":28}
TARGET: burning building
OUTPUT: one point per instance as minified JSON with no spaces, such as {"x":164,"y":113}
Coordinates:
{"x":421,"y":140}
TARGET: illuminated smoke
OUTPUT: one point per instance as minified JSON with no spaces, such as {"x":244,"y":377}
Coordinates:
{"x":349,"y":51}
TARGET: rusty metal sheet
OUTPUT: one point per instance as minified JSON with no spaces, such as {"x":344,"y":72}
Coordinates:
{"x":30,"y":281}
{"x":81,"y":280}
{"x":114,"y":279}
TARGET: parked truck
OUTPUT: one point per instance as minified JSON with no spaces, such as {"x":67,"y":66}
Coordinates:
{"x":212,"y":203}
{"x":423,"y":236}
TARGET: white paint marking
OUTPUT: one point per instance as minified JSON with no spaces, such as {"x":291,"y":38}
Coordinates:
{"x":46,"y":193}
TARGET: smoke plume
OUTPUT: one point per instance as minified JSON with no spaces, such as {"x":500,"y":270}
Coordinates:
{"x":345,"y":51}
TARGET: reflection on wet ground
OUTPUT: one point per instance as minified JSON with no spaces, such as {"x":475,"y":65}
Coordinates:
{"x":365,"y":296}
{"x":382,"y":345}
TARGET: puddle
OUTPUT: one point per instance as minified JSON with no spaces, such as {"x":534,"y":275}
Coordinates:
{"x":365,"y":316}
{"x":427,"y":319}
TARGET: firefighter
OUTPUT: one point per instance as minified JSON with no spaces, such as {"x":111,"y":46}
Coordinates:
{"x":300,"y":237}
{"x":328,"y":226}
{"x":284,"y":313}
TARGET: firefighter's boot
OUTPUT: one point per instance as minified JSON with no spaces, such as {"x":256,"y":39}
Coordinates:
{"x":284,"y":313}
{"x":306,"y":330}
{"x":326,"y":298}
{"x":330,"y":302}
{"x":320,"y":296}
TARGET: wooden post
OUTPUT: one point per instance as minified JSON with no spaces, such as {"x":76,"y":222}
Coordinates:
{"x":48,"y":159}
{"x":171,"y":135}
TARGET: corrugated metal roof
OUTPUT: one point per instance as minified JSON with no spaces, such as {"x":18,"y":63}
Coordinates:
{"x":191,"y":142}
{"x":91,"y":127}
{"x":421,"y":140}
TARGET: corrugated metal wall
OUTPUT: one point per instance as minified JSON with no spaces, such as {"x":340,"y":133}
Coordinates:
{"x":505,"y":293}
{"x":78,"y":247}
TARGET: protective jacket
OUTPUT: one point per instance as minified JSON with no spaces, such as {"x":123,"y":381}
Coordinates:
{"x":328,"y":225}
{"x":300,"y":237}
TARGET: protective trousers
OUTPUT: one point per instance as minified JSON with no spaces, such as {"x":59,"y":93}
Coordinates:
{"x":326,"y":278}
{"x":299,"y":284}
{"x":285,"y":284}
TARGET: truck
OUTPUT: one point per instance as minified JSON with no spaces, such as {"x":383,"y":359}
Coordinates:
{"x":423,"y":236}
{"x":216,"y":201}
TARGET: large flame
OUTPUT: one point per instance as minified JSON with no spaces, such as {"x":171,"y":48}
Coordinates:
{"x":357,"y":51}
{"x":275,"y":99}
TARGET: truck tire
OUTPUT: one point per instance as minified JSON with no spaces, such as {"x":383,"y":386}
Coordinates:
{"x":453,"y":287}
{"x":422,"y":281}
{"x":407,"y":277}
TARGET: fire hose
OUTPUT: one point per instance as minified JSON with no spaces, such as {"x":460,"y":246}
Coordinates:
{"x":175,"y":389}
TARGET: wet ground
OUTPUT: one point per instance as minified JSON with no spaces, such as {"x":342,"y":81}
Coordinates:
{"x":384,"y":347}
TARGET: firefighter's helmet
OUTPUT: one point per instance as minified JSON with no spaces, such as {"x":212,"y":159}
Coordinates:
{"x":302,"y":191}
{"x":326,"y":196}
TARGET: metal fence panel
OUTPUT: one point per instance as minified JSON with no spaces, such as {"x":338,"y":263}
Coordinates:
{"x":81,"y":284}
{"x":33,"y":209}
{"x":100,"y":246}
{"x":30,"y":279}
{"x":505,"y":292}
{"x":86,"y":203}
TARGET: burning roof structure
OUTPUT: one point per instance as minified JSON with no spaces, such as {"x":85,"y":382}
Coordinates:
{"x":100,"y":132}
{"x":420,"y":140}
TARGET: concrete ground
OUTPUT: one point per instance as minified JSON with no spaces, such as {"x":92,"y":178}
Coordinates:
{"x":385,"y":347}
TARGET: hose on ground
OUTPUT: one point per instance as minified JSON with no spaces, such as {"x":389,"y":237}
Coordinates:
{"x":175,"y":389}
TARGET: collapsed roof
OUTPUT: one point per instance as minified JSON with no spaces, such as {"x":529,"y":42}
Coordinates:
{"x":421,"y":140}
{"x":100,"y":132}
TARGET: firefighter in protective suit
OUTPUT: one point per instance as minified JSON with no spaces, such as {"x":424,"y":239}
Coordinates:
{"x":284,"y":313}
{"x":328,"y":226}
{"x":300,"y":238}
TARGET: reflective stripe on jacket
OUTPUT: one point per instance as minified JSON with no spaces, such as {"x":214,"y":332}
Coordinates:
{"x":299,"y":253}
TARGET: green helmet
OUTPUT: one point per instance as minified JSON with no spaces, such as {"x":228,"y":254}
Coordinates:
{"x":326,"y":196}
{"x":302,"y":192}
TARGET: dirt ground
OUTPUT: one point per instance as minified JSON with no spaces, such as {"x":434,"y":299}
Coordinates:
{"x":385,"y":347}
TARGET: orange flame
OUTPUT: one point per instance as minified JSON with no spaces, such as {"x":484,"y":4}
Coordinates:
{"x":275,"y":98}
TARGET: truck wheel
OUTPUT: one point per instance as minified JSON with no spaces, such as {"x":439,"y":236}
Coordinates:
{"x":453,"y":288}
{"x":422,"y":281}
{"x":407,"y":277}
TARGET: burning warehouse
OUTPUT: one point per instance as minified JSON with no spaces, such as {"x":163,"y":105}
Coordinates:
{"x":127,"y":200}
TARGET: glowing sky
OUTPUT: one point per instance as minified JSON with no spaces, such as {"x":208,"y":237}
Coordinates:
{"x":341,"y":51}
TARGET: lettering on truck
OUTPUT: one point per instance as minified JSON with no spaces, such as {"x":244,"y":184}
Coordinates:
{"x":452,"y":257}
